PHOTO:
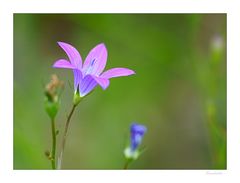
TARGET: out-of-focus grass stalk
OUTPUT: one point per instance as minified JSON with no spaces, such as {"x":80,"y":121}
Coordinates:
{"x":218,"y":138}
{"x":217,"y":131}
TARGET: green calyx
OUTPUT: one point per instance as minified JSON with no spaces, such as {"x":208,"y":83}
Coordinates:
{"x":131,"y":155}
{"x":76,"y":98}
{"x":52,"y":108}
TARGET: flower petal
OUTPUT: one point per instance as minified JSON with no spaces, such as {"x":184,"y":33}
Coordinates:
{"x":103,"y":82}
{"x":77,"y":78}
{"x":117,"y":72}
{"x":62,"y":63}
{"x":137,"y":128}
{"x":89,"y":82}
{"x":96,"y":60}
{"x":72,"y":53}
{"x":87,"y":85}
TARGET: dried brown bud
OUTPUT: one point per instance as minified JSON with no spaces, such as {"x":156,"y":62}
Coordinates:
{"x":53,"y":87}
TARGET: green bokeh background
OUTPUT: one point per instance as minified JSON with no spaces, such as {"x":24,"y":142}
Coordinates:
{"x":178,"y":92}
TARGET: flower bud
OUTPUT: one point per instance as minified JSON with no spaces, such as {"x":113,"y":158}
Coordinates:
{"x":52,"y":91}
{"x":137,"y":132}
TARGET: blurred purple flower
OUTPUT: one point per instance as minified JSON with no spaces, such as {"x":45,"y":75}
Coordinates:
{"x":137,"y":132}
{"x":88,"y":75}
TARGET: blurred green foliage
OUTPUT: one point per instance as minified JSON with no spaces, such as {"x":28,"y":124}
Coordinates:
{"x":179,"y":91}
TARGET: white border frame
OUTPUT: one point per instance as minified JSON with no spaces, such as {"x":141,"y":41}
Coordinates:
{"x":119,"y":6}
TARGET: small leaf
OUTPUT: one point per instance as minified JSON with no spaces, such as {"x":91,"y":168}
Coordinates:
{"x":48,"y":155}
{"x":57,"y":132}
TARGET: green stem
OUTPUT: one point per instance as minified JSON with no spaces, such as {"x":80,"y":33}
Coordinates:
{"x":53,"y":160}
{"x":126,"y":164}
{"x":65,"y":136}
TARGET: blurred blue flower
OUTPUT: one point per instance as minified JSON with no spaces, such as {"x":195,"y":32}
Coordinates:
{"x":137,"y":132}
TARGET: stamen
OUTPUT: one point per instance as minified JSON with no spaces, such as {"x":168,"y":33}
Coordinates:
{"x":93,"y":62}
{"x":90,"y":68}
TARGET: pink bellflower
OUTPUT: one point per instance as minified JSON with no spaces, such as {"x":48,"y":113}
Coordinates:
{"x":89,"y":74}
